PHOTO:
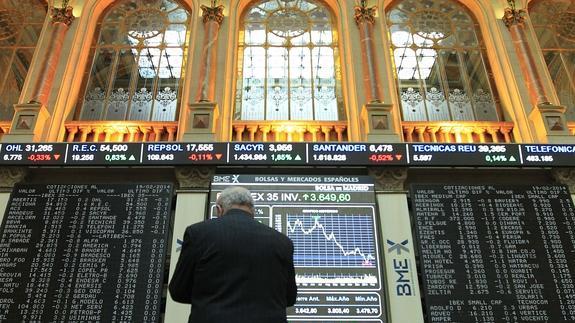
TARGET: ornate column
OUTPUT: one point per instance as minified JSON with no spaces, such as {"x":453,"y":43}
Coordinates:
{"x":397,"y":244}
{"x":549,"y":118}
{"x":365,"y":19}
{"x":376,"y":116}
{"x":29,"y":118}
{"x":200,"y":119}
{"x":213,"y":17}
{"x":62,"y":18}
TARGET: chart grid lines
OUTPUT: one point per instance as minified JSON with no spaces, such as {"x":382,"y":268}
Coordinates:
{"x":332,"y":240}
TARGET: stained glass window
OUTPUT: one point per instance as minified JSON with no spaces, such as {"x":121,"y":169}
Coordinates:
{"x":21,"y":22}
{"x":439,"y":57}
{"x":138,"y":62}
{"x":288,"y":63}
{"x":554,"y":24}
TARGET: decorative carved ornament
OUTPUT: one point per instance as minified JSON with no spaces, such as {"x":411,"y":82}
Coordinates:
{"x":195,"y":177}
{"x":389,"y":179}
{"x":364,"y":14}
{"x":213,"y":13}
{"x":512,"y":15}
{"x":565,"y":176}
{"x":9,"y":176}
{"x":62,"y":15}
{"x":145,"y":23}
{"x":288,"y":22}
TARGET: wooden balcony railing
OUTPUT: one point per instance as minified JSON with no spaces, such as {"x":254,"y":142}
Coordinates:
{"x":119,"y":131}
{"x":458,"y":131}
{"x":313,"y":131}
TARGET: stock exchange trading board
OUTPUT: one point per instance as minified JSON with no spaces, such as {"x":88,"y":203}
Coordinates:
{"x":332,"y":223}
{"x":496,"y":253}
{"x":84,"y":253}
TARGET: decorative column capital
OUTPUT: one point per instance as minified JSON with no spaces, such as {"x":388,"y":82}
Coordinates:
{"x":364,"y":13}
{"x":512,"y":15}
{"x":195,"y":177}
{"x":565,"y":176}
{"x":10,"y":176}
{"x":62,"y":15}
{"x":213,"y":13}
{"x":389,"y":179}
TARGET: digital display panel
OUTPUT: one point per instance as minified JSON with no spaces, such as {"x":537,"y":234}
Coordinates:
{"x":184,"y":153}
{"x":464,"y":154}
{"x":84,"y":253}
{"x":286,"y":153}
{"x":496,"y":253}
{"x":103,"y":154}
{"x":552,"y":155}
{"x":32,"y":154}
{"x":332,"y":223}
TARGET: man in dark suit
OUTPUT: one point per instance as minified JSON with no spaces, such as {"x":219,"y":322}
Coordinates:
{"x":233,"y":269}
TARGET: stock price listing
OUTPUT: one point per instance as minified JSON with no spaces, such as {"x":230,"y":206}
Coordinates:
{"x":331,"y":221}
{"x":185,"y":153}
{"x":265,"y":153}
{"x":104,"y":154}
{"x":464,"y":154}
{"x":356,"y":154}
{"x":556,"y":155}
{"x":33,"y":154}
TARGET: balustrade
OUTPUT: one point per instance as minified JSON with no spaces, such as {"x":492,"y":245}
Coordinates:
{"x":458,"y":132}
{"x":114,"y":131}
{"x":289,"y":131}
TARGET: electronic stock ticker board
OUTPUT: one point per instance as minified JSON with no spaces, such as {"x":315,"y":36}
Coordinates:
{"x":332,"y":223}
{"x":84,"y":253}
{"x":496,"y":253}
{"x":290,"y":154}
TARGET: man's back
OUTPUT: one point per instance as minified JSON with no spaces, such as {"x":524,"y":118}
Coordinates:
{"x":235,"y":269}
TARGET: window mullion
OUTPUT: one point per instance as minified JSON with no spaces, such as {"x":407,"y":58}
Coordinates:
{"x":266,"y":47}
{"x":443,"y":78}
{"x":312,"y":80}
{"x":288,"y":50}
{"x":565,"y":65}
{"x":155,"y":84}
{"x":133,"y":82}
{"x":111,"y":82}
{"x":466,"y":81}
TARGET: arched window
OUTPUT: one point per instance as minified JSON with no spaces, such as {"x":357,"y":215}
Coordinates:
{"x":21,"y":22}
{"x":554,"y":23}
{"x":288,"y":63}
{"x":138,"y":62}
{"x":442,"y":72}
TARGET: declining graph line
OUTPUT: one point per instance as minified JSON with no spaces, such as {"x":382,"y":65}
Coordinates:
{"x":292,"y":228}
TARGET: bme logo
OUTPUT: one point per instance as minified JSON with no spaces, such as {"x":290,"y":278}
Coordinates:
{"x":402,"y":267}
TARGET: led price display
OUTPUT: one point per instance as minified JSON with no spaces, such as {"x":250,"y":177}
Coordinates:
{"x":285,"y":153}
{"x":356,"y":154}
{"x":464,"y":154}
{"x":104,"y":154}
{"x":268,"y":154}
{"x":331,"y":221}
{"x":84,"y":253}
{"x":33,"y":154}
{"x":496,"y":253}
{"x":551,"y":155}
{"x":184,"y":153}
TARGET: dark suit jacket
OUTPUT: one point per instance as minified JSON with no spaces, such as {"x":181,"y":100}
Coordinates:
{"x":234,"y":269}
